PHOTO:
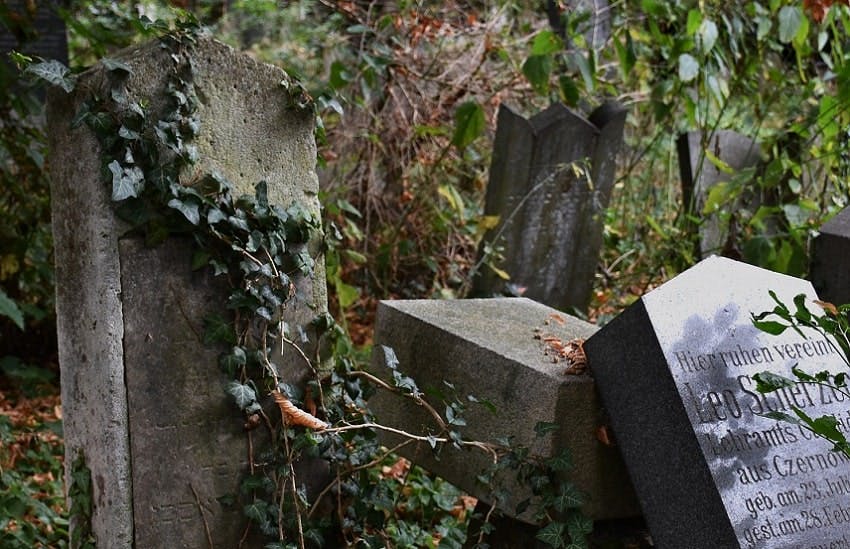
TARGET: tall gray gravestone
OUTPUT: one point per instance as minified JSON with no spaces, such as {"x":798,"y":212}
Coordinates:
{"x":699,"y":175}
{"x":829,"y":269}
{"x":550,"y":181}
{"x":143,"y":398}
{"x":675,"y":373}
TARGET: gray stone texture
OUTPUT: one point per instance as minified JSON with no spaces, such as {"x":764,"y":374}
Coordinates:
{"x":829,"y":270}
{"x":550,"y":217}
{"x":699,"y":175}
{"x":134,"y":380}
{"x":674,"y":372}
{"x":487,"y":348}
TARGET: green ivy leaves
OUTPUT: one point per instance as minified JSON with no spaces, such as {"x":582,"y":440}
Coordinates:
{"x":469,"y":124}
{"x":10,"y":310}
{"x":53,"y":72}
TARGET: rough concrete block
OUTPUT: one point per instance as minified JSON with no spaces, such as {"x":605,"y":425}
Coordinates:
{"x":134,"y":380}
{"x":487,"y":348}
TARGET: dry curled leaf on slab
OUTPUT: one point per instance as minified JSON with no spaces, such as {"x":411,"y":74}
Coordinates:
{"x":294,"y":416}
{"x":557,"y":318}
{"x":572,"y":351}
{"x":575,"y":354}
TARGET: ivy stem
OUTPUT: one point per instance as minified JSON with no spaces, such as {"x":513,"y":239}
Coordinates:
{"x":491,"y":449}
{"x":419,"y":400}
{"x":337,"y":480}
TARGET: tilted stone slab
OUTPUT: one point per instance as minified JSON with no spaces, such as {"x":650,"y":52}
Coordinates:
{"x":675,"y":372}
{"x":491,"y":349}
{"x":830,"y":260}
{"x":142,"y":397}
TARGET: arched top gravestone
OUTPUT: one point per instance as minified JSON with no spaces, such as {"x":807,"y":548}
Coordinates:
{"x":675,"y":373}
{"x":143,"y":397}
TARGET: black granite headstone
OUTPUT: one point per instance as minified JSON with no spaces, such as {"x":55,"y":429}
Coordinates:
{"x":675,"y":373}
{"x":830,"y":260}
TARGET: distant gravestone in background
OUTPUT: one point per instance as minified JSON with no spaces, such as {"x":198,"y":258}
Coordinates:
{"x":699,"y":175}
{"x":830,"y":259}
{"x":38,"y":30}
{"x":596,"y":26}
{"x":494,"y":349}
{"x":675,"y":373}
{"x":550,"y":181}
{"x":143,"y":398}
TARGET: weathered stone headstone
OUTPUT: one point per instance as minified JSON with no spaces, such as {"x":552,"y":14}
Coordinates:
{"x":496,"y":350}
{"x":830,"y":260}
{"x":143,"y":398}
{"x":550,"y":181}
{"x":699,"y":175}
{"x":596,"y":19}
{"x":37,"y":30}
{"x":675,"y":373}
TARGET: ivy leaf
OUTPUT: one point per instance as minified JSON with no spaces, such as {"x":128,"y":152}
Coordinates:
{"x":790,"y":19}
{"x":262,"y":193}
{"x":782,"y":416}
{"x":215,"y":215}
{"x":579,"y":525}
{"x":256,"y":511}
{"x":770,"y":326}
{"x":546,"y":42}
{"x":469,"y":123}
{"x":55,"y":73}
{"x":708,"y":35}
{"x":114,"y":65}
{"x":552,"y":534}
{"x":9,"y":309}
{"x":688,"y":67}
{"x":189,"y":208}
{"x":543,"y":428}
{"x":767,"y":382}
{"x":126,"y":182}
{"x":560,"y":462}
{"x":218,"y":330}
{"x":568,"y":498}
{"x":390,"y":359}
{"x":801,"y":375}
{"x":243,"y":394}
{"x":537,"y":69}
{"x":232,"y":361}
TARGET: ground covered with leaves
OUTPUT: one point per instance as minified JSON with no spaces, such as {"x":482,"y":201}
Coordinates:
{"x":32,"y":502}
